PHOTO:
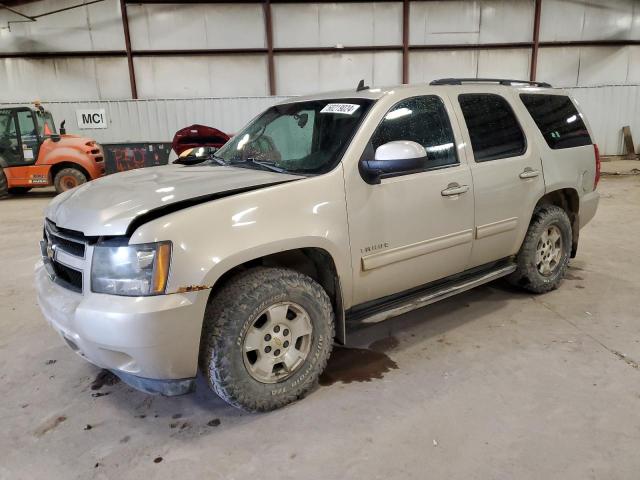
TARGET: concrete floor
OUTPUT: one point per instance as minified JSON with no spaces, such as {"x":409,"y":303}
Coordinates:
{"x":492,"y":384}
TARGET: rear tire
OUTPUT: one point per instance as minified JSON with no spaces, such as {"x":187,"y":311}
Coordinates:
{"x":266,"y":339}
{"x":4,"y":190}
{"x":68,"y":178}
{"x":19,"y":190}
{"x":544,"y":256}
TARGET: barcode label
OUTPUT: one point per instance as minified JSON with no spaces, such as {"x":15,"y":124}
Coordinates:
{"x":346,"y":108}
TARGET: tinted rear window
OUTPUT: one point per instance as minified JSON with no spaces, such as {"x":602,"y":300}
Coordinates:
{"x":558,"y":120}
{"x":493,"y":128}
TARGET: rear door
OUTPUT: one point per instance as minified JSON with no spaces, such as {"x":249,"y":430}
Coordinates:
{"x":506,"y":170}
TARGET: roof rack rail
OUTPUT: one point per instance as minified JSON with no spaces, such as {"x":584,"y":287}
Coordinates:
{"x":500,"y":81}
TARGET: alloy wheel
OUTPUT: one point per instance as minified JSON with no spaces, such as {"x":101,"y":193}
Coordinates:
{"x":549,"y":251}
{"x":277,"y":343}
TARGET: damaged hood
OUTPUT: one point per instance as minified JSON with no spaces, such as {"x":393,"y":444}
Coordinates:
{"x":108,"y":205}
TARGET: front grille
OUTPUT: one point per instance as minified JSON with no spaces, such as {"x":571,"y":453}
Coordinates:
{"x":73,"y":243}
{"x":68,"y":277}
{"x":68,"y":246}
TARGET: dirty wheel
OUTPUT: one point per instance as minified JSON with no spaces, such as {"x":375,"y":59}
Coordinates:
{"x":4,"y":191}
{"x":267,"y":337}
{"x":544,"y":256}
{"x":68,"y":178}
{"x":19,"y":190}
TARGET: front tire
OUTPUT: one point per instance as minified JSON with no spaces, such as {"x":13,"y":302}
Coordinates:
{"x":68,"y":178}
{"x":544,"y":256}
{"x":266,"y":339}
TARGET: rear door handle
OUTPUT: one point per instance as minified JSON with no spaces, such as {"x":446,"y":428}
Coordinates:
{"x":529,"y":173}
{"x":454,"y":189}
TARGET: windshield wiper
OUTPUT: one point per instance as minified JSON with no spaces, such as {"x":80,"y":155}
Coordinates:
{"x":218,"y":160}
{"x":270,"y":166}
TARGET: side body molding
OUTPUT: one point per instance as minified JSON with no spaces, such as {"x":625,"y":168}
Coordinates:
{"x":405,"y":252}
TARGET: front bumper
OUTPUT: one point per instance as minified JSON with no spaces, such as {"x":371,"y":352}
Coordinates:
{"x":152,"y":343}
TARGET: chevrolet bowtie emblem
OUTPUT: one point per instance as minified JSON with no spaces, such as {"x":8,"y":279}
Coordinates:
{"x":51,"y":252}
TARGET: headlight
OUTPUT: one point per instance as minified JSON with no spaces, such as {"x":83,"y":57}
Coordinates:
{"x":132,"y":270}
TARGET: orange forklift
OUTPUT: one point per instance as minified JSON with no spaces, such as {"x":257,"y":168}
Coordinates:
{"x":33,"y":154}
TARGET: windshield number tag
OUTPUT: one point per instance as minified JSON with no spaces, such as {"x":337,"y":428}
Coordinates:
{"x":345,"y":108}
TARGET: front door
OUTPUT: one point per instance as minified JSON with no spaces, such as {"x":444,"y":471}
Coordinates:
{"x":413,"y":228}
{"x":29,"y":137}
{"x":506,"y":170}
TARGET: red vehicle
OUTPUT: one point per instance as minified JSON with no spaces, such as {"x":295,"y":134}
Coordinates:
{"x":33,"y":154}
{"x":198,"y":136}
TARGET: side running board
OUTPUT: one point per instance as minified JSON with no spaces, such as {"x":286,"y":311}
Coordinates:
{"x":397,"y":305}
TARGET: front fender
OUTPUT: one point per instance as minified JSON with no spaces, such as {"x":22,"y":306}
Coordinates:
{"x":56,"y":154}
{"x":212,"y":238}
{"x":62,"y":154}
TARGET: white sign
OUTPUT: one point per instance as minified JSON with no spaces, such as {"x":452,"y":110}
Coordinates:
{"x":91,"y":118}
{"x":346,"y":108}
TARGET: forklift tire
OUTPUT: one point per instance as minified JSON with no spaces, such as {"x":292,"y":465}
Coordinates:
{"x":68,"y":178}
{"x":19,"y":190}
{"x":4,"y":190}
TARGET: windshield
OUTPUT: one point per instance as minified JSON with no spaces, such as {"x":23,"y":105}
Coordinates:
{"x":46,"y":127}
{"x":303,"y":137}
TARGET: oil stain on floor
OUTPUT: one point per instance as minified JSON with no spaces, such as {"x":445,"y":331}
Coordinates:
{"x":349,"y":365}
{"x":105,"y":377}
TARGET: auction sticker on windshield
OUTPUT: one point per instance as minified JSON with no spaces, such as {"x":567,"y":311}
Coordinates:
{"x":346,"y":108}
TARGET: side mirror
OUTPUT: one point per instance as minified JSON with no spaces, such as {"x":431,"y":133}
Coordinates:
{"x":62,"y":129}
{"x":391,"y":159}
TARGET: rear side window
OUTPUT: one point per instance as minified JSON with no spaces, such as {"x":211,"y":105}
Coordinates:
{"x":558,"y":120}
{"x":493,"y":128}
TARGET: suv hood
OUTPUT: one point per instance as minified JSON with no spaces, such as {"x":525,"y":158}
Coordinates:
{"x":108,"y":205}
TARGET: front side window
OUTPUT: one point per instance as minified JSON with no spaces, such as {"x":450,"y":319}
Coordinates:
{"x":27,"y":125}
{"x":423,"y":120}
{"x":558,"y":119}
{"x":7,"y":125}
{"x":303,"y":137}
{"x":493,"y":128}
{"x":46,"y":127}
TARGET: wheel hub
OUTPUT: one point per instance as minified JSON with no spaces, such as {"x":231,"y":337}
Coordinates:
{"x":277,"y":343}
{"x":549,"y":251}
{"x":69,"y":182}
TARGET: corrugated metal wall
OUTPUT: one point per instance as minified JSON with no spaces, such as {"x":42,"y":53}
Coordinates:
{"x":158,"y":120}
{"x":191,"y":27}
{"x":608,"y":109}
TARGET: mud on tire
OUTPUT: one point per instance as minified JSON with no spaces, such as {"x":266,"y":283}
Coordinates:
{"x":527,"y":274}
{"x":237,"y":310}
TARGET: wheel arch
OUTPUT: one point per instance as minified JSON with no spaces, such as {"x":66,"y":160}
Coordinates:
{"x":569,"y":200}
{"x":315,"y":262}
{"x":56,"y":167}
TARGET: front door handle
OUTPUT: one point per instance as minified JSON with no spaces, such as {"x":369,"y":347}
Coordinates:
{"x":529,"y":173}
{"x":454,"y":189}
